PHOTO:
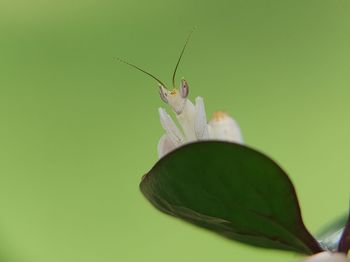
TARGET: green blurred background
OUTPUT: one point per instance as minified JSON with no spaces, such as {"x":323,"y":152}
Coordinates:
{"x":78,"y":129}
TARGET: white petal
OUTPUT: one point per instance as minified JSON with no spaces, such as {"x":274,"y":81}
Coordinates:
{"x":223,"y":127}
{"x":327,"y":257}
{"x":165,"y":145}
{"x":200,"y":124}
{"x":170,"y":127}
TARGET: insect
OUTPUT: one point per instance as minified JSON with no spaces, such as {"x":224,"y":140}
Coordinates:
{"x":191,"y":117}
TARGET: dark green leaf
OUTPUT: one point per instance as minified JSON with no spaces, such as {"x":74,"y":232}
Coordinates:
{"x":330,"y":236}
{"x":344,"y":243}
{"x":232,"y":190}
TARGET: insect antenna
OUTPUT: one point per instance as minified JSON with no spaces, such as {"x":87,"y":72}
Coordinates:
{"x":143,"y":71}
{"x":182,"y":52}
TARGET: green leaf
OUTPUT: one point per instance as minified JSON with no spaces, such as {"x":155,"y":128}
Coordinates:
{"x":232,"y":190}
{"x":344,"y":242}
{"x":330,"y":236}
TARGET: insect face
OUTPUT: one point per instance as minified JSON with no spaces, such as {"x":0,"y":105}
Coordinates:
{"x":176,"y":98}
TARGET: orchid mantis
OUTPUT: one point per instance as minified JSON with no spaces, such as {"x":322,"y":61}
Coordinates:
{"x":191,"y":117}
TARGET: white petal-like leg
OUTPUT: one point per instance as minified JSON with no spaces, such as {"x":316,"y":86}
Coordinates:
{"x":186,"y":120}
{"x":170,"y":128}
{"x":223,"y":127}
{"x":327,"y":257}
{"x":165,"y":145}
{"x":200,"y":123}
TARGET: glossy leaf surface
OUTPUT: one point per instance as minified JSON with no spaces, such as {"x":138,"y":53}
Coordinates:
{"x":232,"y":190}
{"x":330,"y":236}
{"x":344,"y":242}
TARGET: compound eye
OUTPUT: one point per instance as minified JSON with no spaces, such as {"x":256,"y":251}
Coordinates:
{"x":184,"y":89}
{"x":163,"y":94}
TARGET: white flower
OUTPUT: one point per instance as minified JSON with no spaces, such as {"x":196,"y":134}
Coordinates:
{"x":327,"y":257}
{"x":192,"y":121}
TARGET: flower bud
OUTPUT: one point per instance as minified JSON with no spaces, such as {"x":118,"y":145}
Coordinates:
{"x":223,"y":127}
